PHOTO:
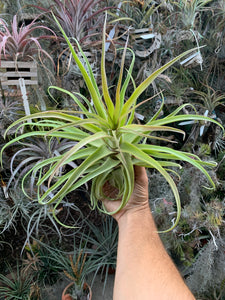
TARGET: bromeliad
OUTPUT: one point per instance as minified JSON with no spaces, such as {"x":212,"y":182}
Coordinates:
{"x":108,"y":142}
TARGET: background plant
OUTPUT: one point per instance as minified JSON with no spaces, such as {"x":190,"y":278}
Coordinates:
{"x":190,"y":10}
{"x":74,"y":265}
{"x":79,"y":19}
{"x":19,"y":212}
{"x":103,"y":251}
{"x":12,"y":207}
{"x":19,"y":287}
{"x":32,"y":152}
{"x":10,"y":110}
{"x":210,"y":99}
{"x":19,"y":43}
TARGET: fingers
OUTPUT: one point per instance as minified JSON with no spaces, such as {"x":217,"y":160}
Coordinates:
{"x":111,"y":206}
{"x":140,"y":175}
{"x":138,"y":197}
{"x":110,"y":193}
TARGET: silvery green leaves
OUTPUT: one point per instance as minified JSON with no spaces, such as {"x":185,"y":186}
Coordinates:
{"x":108,"y":143}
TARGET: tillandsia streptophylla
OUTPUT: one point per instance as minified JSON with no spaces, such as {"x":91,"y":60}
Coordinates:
{"x":107,"y":140}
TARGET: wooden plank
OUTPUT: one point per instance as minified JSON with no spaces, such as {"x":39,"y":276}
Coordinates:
{"x":18,"y":74}
{"x":18,"y":64}
{"x":16,"y":82}
{"x":8,"y":77}
{"x":33,"y":70}
{"x":23,"y":64}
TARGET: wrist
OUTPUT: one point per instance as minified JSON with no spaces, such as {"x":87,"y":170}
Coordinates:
{"x":136,"y":217}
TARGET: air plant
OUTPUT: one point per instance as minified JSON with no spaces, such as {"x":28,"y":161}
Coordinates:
{"x":103,"y":253}
{"x":19,"y":287}
{"x":77,"y":269}
{"x":218,"y":144}
{"x":12,"y":207}
{"x":79,"y":19}
{"x":218,"y":16}
{"x":37,"y":220}
{"x":210,"y":99}
{"x":41,"y":263}
{"x":189,"y":11}
{"x":108,"y":142}
{"x":10,"y":110}
{"x":76,"y":264}
{"x":141,"y":13}
{"x":19,"y":42}
{"x":33,"y":152}
{"x":17,"y":208}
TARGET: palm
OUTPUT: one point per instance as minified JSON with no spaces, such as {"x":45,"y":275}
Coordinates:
{"x":138,"y":199}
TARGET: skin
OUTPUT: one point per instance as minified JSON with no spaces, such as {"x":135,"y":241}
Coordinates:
{"x":144,"y":269}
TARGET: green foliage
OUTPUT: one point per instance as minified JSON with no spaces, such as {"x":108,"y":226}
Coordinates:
{"x":103,"y":252}
{"x":18,"y":287}
{"x":75,"y":265}
{"x":10,"y":110}
{"x":210,"y":99}
{"x":167,"y":28}
{"x":106,"y":139}
{"x":141,"y":13}
{"x":48,"y":272}
{"x":189,"y":11}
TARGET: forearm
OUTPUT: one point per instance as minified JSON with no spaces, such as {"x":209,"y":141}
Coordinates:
{"x":144,"y":269}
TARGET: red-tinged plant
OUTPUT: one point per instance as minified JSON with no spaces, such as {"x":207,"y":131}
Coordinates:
{"x":79,"y":19}
{"x":19,"y":42}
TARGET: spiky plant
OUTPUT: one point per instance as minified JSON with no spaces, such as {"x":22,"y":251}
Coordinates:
{"x":19,"y":287}
{"x":79,"y":19}
{"x":140,"y":13}
{"x":76,"y":264}
{"x":210,"y":99}
{"x":189,"y":11}
{"x":12,"y":207}
{"x":10,"y":110}
{"x":108,"y":142}
{"x":103,"y":252}
{"x":32,"y":152}
{"x":18,"y":43}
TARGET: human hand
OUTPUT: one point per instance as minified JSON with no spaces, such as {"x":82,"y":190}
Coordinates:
{"x":138,"y":200}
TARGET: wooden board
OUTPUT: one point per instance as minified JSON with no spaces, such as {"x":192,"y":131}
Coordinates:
{"x":16,"y":82}
{"x":18,"y":64}
{"x":11,"y":71}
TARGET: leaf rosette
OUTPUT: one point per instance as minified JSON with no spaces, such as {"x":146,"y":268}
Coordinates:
{"x":108,"y":142}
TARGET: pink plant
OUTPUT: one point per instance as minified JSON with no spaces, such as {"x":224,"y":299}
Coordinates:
{"x":19,"y":43}
{"x":79,"y":19}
